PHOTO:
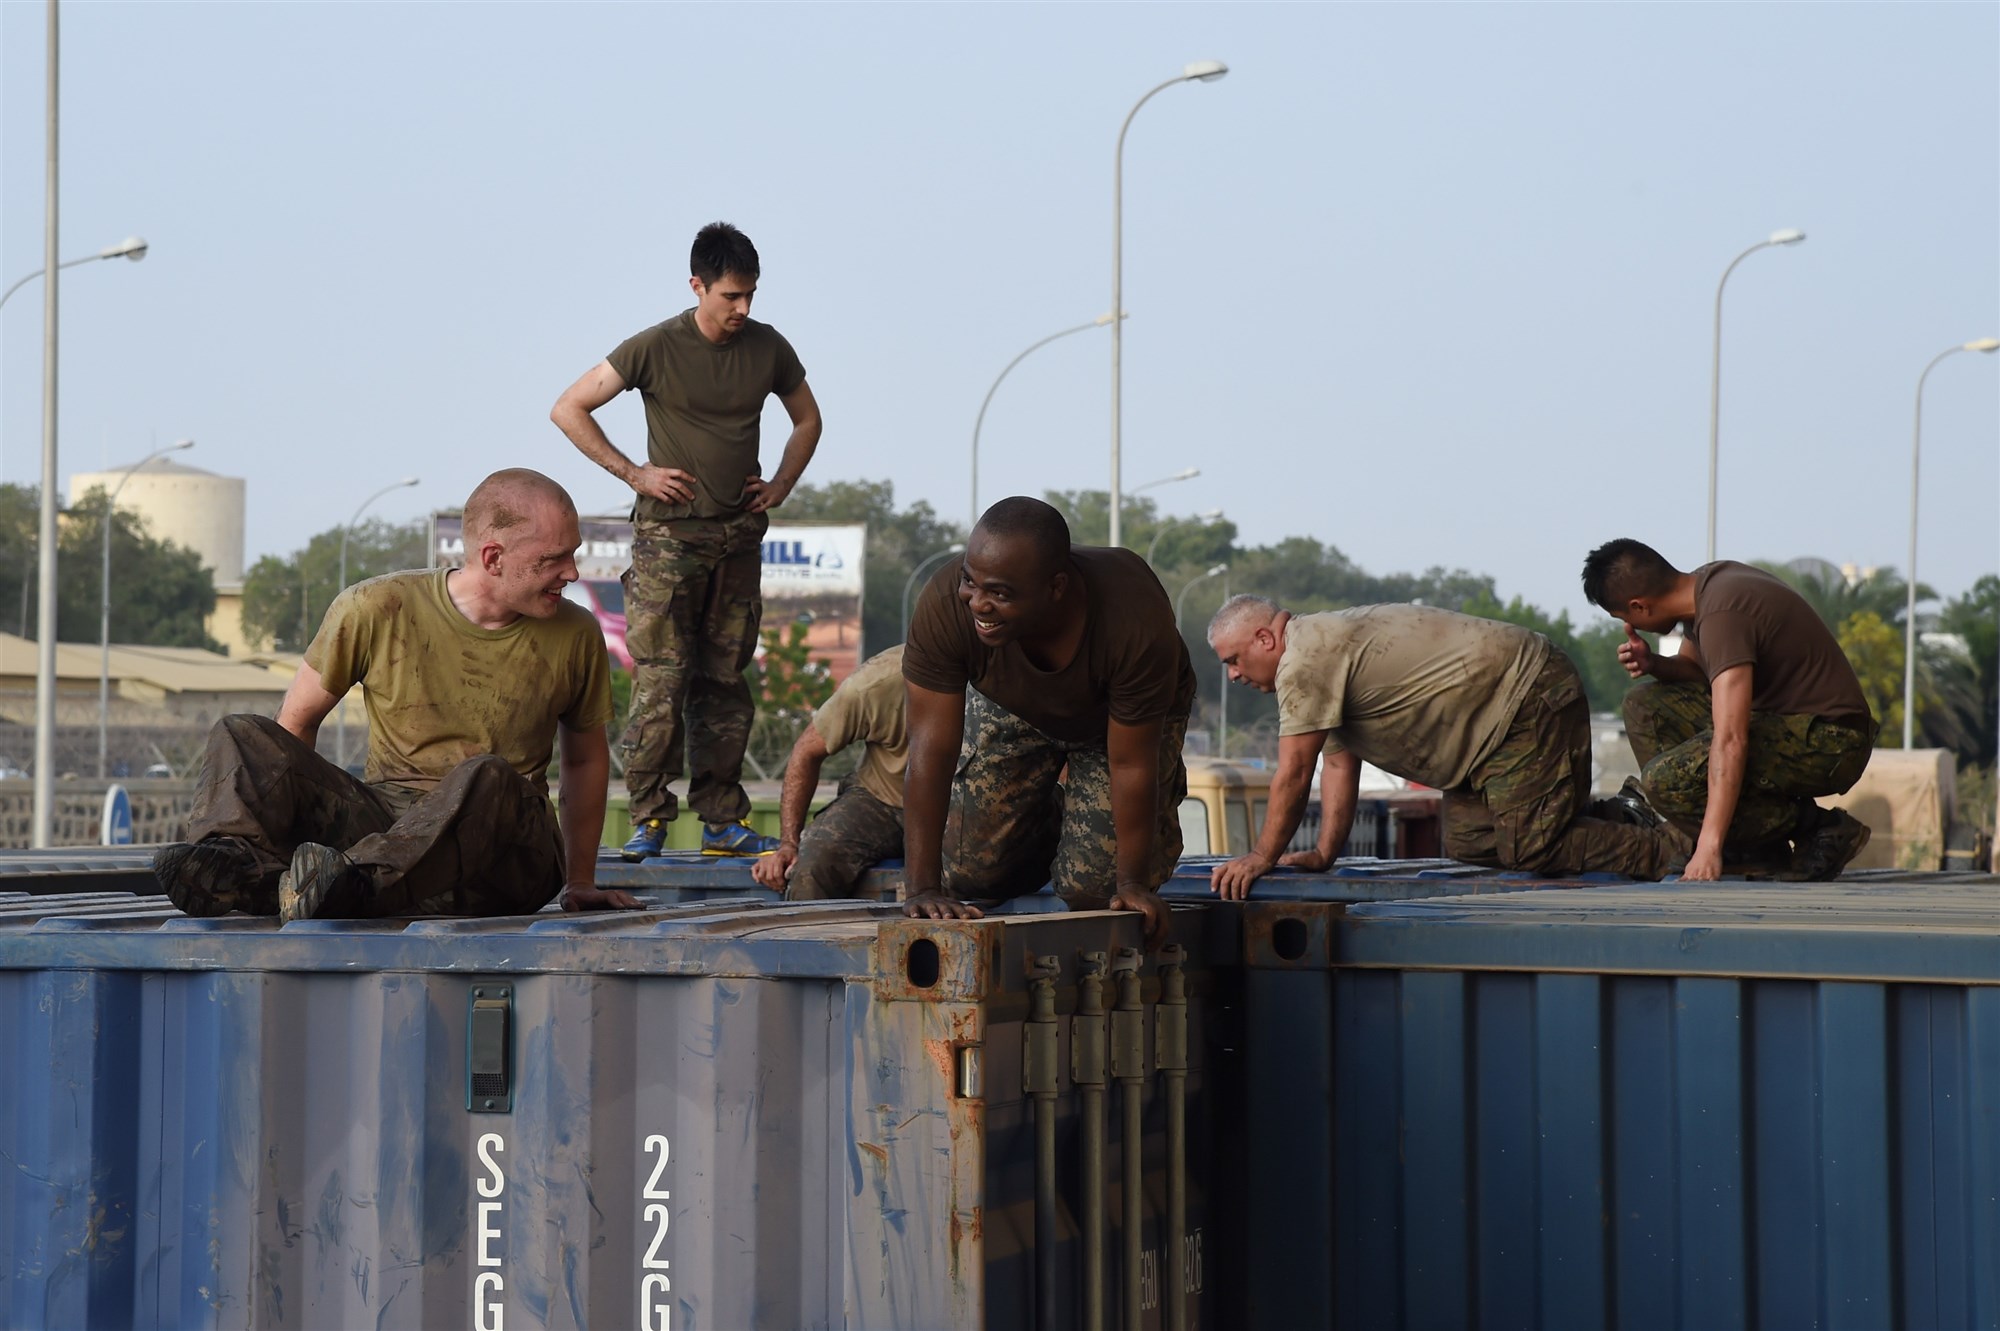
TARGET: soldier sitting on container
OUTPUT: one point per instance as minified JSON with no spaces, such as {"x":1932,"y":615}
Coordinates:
{"x":1073,"y":656}
{"x":469,"y":674}
{"x":1489,"y":713}
{"x":1758,"y":713}
{"x":864,"y":823}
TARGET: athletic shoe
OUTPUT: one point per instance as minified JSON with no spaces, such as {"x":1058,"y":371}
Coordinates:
{"x":1824,"y":852}
{"x":209,"y":877}
{"x":735,"y":839}
{"x":647,"y":839}
{"x":322,"y":884}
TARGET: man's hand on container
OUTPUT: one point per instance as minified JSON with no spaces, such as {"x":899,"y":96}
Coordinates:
{"x":935,"y":905}
{"x":597,"y":898}
{"x":1148,"y":903}
{"x":775,"y":870}
{"x":1312,"y":861}
{"x":1232,"y":881}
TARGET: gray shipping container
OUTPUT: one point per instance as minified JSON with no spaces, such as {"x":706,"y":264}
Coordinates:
{"x":709,"y":1116}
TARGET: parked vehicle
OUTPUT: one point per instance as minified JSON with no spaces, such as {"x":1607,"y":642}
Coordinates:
{"x":604,"y":598}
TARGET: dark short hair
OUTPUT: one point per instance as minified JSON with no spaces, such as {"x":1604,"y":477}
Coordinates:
{"x":720,"y":248}
{"x":1622,"y":571}
{"x":1039,"y":523}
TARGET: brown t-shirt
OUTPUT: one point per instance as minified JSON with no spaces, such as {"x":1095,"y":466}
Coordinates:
{"x":440,"y":689}
{"x":1131,"y":665}
{"x":1424,"y":693}
{"x":1744,"y":616}
{"x":872,"y":706}
{"x":703,"y":404}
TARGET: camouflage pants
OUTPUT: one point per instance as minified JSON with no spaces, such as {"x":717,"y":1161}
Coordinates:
{"x":483,"y":842}
{"x":1791,"y":760}
{"x":1526,"y":805}
{"x":693,"y":603}
{"x":1012,"y":828}
{"x":849,"y":837}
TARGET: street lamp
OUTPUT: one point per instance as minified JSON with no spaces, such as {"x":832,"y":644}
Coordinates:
{"x":1099,"y":322}
{"x":1181,"y":599}
{"x":1201,"y":71}
{"x":340,"y":721}
{"x":104,"y":600}
{"x":911,"y":581}
{"x":1988,"y":345}
{"x":132,"y":247}
{"x":1788,"y":237}
{"x":1211,"y":515}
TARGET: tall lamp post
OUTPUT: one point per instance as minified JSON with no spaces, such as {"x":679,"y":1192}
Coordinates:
{"x":973,"y":519}
{"x":104,"y":603}
{"x":1788,"y":237}
{"x":1180,"y":598}
{"x":132,"y":247}
{"x":1210,"y":515}
{"x":1201,"y":71}
{"x":1988,"y":345}
{"x":340,"y":722}
{"x":910,"y":582}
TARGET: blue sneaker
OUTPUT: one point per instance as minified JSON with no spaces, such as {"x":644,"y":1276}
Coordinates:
{"x":735,"y":839}
{"x":647,"y":839}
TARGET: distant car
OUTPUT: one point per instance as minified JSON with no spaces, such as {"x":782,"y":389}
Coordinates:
{"x":158,"y":769}
{"x":604,"y":598}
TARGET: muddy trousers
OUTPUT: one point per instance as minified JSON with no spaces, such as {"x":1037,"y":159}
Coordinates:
{"x":1792,"y":759}
{"x":484,"y":842}
{"x":1012,"y":828}
{"x":850,"y":836}
{"x":1527,"y":805}
{"x":693,"y":604}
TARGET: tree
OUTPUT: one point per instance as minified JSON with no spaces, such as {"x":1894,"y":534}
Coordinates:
{"x":1836,"y":598}
{"x":1974,"y":619}
{"x":285,"y":598}
{"x":1875,"y":650}
{"x":897,"y":542}
{"x":160,"y":594}
{"x":1594,"y":651}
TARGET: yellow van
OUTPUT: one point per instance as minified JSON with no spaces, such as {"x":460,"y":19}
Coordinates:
{"x":1226,"y":800}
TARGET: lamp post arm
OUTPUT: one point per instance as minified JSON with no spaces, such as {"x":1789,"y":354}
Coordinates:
{"x":1715,"y":390}
{"x":71,"y":263}
{"x":1910,"y":591}
{"x":911,"y":581}
{"x":980,"y":420}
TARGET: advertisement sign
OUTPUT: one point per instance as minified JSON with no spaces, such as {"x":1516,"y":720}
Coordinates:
{"x":813,"y":574}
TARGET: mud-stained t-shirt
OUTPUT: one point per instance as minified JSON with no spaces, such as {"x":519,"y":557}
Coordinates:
{"x":440,"y":689}
{"x":1424,"y":693}
{"x":1131,"y":665}
{"x":704,"y":401}
{"x":871,"y":707}
{"x":1744,"y":616}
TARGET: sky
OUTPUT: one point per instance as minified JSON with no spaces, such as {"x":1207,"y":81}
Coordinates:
{"x":1432,"y":283}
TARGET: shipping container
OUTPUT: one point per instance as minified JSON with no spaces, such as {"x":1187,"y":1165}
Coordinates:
{"x":707,"y":1116}
{"x":1701,"y":1106}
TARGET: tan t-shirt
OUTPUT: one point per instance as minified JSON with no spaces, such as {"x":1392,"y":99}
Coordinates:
{"x":440,"y":689}
{"x":872,"y":706}
{"x":703,"y":404}
{"x":1132,"y":664}
{"x":1744,"y":616}
{"x":1424,"y":693}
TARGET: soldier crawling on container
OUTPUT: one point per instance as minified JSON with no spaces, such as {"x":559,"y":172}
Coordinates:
{"x":1073,"y":657}
{"x":1489,"y":713}
{"x":1757,"y":714}
{"x":693,"y":596}
{"x":470,"y":675}
{"x":864,"y":823}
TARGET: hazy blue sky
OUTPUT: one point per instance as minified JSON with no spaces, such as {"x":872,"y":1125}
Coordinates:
{"x":1432,"y":283}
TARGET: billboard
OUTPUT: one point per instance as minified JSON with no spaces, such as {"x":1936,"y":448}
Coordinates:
{"x":813,"y":573}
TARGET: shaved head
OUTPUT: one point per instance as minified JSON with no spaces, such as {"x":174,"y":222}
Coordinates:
{"x":1030,"y":522}
{"x":507,"y":500}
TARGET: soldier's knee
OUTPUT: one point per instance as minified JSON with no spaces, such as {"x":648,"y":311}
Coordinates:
{"x":1638,"y":705}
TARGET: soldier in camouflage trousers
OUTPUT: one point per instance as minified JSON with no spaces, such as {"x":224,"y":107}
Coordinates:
{"x":1012,"y":828}
{"x":1791,"y":759}
{"x":693,"y":605}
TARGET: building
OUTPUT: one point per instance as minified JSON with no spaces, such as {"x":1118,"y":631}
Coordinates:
{"x":196,"y":509}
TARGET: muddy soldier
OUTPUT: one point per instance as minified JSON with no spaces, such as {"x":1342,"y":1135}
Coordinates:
{"x":1072,"y":657}
{"x":1758,"y":713}
{"x":692,"y":596}
{"x":470,"y":674}
{"x":1489,"y":713}
{"x":864,"y":823}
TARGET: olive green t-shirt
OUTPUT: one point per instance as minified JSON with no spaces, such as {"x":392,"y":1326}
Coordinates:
{"x":703,"y":403}
{"x":872,"y":706}
{"x":440,"y":689}
{"x":1131,"y":666}
{"x":1744,"y":616}
{"x":1424,"y":693}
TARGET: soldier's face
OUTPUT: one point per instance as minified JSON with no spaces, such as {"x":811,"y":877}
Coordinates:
{"x":725,"y":302}
{"x":1646,"y":616}
{"x":1008,"y":590}
{"x":1250,"y":655}
{"x":538,"y":560}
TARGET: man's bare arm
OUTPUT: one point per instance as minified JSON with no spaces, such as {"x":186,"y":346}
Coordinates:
{"x":1291,"y":787}
{"x":572,"y":415}
{"x":1728,"y":755}
{"x":307,"y":703}
{"x":803,"y":408}
{"x":794,"y":802}
{"x":1133,"y":755}
{"x":584,"y":778}
{"x":1339,"y":794}
{"x":936,"y":727}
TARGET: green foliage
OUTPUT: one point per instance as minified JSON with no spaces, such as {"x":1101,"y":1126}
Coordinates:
{"x":1875,"y":650}
{"x":1974,"y":619}
{"x":785,"y":678}
{"x":1594,"y":651}
{"x":161,"y":595}
{"x":1836,"y":599}
{"x":285,"y":599}
{"x":897,"y":542}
